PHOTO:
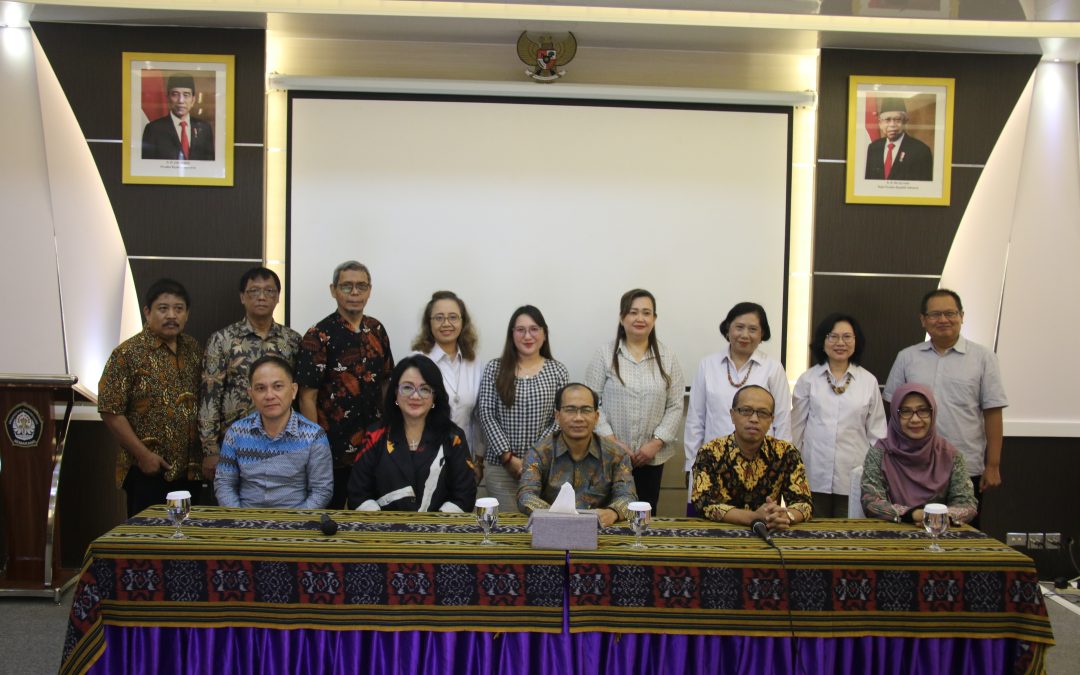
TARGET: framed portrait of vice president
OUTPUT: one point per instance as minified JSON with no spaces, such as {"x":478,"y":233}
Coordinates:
{"x":899,"y":148}
{"x":178,"y":119}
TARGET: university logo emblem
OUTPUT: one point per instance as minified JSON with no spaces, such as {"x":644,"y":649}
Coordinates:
{"x":544,"y":54}
{"x":23,"y":425}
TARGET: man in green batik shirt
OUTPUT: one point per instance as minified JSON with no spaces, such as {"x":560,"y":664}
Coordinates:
{"x":599,"y":471}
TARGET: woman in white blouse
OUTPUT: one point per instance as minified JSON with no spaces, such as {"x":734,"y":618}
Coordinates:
{"x":517,"y":401}
{"x":448,"y":338}
{"x":722,"y":374}
{"x":641,"y":387}
{"x":837,"y":413}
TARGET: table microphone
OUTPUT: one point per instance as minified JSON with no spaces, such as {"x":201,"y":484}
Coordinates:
{"x":328,"y":525}
{"x":762,"y":530}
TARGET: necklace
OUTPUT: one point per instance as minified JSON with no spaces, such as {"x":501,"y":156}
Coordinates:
{"x":455,"y":382}
{"x":838,"y":389}
{"x":413,"y":445}
{"x":731,"y":379}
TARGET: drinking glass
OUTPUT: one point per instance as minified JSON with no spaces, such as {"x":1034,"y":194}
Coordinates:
{"x":487,"y":517}
{"x":640,"y":514}
{"x":936,"y":521}
{"x":178,"y":505}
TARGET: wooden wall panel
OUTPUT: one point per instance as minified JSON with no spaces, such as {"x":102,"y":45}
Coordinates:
{"x":188,"y":221}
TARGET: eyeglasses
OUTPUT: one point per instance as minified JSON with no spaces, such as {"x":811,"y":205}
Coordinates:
{"x":261,"y":293}
{"x":574,"y":410}
{"x":348,"y":289}
{"x":407,"y":390}
{"x":949,"y":314}
{"x":837,"y":337}
{"x":748,"y":412}
{"x":522,"y":331}
{"x":452,"y":319}
{"x":923,"y":413}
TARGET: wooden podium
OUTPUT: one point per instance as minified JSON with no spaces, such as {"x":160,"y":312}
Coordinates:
{"x":36,"y":412}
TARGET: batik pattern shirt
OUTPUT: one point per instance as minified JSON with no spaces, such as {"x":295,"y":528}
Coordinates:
{"x":725,"y":480}
{"x":157,"y":391}
{"x":348,"y":368}
{"x":226,"y":371}
{"x":293,"y":470}
{"x":602,"y":479}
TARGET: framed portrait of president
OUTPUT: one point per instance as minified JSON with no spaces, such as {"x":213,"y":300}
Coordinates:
{"x":178,"y":119}
{"x":899,"y":148}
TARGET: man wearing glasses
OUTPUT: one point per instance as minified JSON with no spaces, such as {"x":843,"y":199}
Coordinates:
{"x":230,"y":352}
{"x":966,"y":381}
{"x":742,"y":478}
{"x":599,"y":470}
{"x":342,"y":366}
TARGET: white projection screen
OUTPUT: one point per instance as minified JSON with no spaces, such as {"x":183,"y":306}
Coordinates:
{"x":560,"y":204}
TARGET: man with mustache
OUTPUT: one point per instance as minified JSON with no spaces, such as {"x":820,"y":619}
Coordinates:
{"x":148,"y":399}
{"x":599,"y":470}
{"x":229,"y":355}
{"x":742,"y":478}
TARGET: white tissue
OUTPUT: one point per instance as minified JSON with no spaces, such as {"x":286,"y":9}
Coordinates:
{"x":566,"y":501}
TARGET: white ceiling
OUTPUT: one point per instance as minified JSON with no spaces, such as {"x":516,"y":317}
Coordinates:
{"x":758,"y":26}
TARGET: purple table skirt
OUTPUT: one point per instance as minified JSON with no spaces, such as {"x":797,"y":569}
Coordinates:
{"x":241,"y":651}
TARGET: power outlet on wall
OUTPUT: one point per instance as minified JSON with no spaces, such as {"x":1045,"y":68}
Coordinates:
{"x":1035,"y":540}
{"x":1016,"y":539}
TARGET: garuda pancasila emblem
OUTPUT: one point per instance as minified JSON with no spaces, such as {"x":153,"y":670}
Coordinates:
{"x":544,"y":54}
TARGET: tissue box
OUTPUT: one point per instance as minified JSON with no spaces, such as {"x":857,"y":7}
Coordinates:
{"x":564,"y":530}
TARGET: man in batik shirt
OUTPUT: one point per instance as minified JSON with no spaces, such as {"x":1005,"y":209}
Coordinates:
{"x":229,"y":355}
{"x":598,"y":470}
{"x":147,"y":398}
{"x":342,"y":367}
{"x":742,"y":477}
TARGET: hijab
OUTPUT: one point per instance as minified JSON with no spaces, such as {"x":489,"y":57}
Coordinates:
{"x":917,"y":471}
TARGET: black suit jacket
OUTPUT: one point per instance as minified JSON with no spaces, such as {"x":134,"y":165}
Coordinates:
{"x":912,"y":161}
{"x":387,"y":474}
{"x":160,"y":141}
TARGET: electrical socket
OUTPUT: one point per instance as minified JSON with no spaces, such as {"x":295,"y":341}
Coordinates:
{"x":1053,"y":540}
{"x":1016,"y":539}
{"x":1036,"y":540}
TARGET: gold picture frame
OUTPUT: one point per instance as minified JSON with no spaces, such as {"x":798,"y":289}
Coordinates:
{"x":899,"y":148}
{"x":160,"y":148}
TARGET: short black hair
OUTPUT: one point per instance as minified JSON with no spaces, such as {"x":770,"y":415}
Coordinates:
{"x":571,"y":385}
{"x":938,"y":292}
{"x":275,"y":359}
{"x":259,"y":273}
{"x":735,"y":399}
{"x":817,"y":346}
{"x":166,"y":287}
{"x":747,"y":308}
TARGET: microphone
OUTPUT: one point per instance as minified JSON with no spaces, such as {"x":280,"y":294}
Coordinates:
{"x":762,"y":530}
{"x":329,"y":526}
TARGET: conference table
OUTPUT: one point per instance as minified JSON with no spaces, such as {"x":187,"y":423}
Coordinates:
{"x":264,"y":591}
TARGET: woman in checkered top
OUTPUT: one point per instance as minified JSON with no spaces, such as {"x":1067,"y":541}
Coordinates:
{"x":517,"y":401}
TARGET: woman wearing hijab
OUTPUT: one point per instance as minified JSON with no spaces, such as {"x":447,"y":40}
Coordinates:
{"x":914,"y":466}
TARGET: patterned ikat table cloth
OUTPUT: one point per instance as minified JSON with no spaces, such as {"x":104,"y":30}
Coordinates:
{"x":427,"y":572}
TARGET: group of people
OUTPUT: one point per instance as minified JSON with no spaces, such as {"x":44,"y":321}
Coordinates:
{"x":420,"y":434}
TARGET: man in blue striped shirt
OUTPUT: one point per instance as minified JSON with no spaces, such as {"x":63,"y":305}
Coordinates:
{"x":274,"y":457}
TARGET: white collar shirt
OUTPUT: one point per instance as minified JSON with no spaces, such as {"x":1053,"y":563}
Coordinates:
{"x":833,"y":431}
{"x":461,"y":378}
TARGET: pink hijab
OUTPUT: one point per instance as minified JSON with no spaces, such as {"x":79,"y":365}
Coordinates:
{"x":918,"y":471}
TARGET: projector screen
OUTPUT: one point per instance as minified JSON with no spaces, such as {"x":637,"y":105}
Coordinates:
{"x":560,"y":204}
